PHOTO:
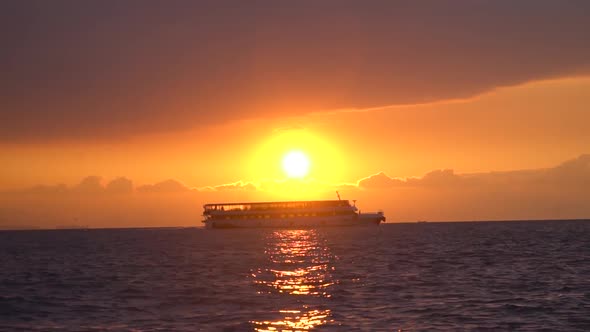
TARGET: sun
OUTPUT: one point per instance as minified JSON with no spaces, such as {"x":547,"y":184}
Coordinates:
{"x":296,"y":164}
{"x":297,"y":154}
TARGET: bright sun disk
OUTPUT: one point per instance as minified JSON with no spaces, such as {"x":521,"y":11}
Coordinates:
{"x":296,"y":164}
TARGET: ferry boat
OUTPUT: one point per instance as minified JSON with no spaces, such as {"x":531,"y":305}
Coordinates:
{"x":290,"y":214}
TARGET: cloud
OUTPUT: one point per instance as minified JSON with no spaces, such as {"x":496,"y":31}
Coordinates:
{"x":104,"y":70}
{"x":167,"y":186}
{"x":557,"y":192}
{"x":92,"y":185}
{"x":47,"y":189}
{"x":239,"y":185}
{"x":89,"y":185}
{"x":573,"y":173}
{"x":442,"y":177}
{"x":120,"y":185}
{"x":379,"y":180}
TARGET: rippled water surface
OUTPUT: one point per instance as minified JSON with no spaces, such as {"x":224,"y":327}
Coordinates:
{"x":525,"y":276}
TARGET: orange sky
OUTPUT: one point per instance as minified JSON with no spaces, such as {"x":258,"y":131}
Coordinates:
{"x":534,"y":125}
{"x":507,"y":129}
{"x":417,"y":109}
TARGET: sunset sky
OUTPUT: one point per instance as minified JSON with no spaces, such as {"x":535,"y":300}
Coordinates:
{"x":135,"y":113}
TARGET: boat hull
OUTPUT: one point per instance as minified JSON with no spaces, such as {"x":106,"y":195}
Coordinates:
{"x":306,"y":222}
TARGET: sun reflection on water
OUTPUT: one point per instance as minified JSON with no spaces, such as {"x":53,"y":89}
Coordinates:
{"x":299,"y":268}
{"x":294,"y":320}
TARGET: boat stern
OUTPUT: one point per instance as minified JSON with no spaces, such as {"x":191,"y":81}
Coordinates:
{"x":372,"y":218}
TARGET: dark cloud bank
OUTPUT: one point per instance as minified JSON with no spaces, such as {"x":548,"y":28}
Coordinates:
{"x":560,"y":192}
{"x":92,"y":185}
{"x":572,"y":174}
{"x":91,"y":69}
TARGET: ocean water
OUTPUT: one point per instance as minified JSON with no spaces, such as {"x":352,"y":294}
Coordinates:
{"x":488,"y":276}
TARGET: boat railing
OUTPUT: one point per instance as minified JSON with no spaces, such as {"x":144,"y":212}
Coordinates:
{"x":277,"y":206}
{"x":275,"y":211}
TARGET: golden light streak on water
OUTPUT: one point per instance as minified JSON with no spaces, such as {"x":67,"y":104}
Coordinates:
{"x":300,"y":266}
{"x":295,"y":320}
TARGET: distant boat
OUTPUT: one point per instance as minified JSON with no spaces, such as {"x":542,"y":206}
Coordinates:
{"x":290,"y":214}
{"x":421,"y":221}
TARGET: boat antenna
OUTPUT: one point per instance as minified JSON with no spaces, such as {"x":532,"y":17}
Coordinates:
{"x":338,"y":194}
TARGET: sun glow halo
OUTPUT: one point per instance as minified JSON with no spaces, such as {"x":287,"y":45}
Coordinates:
{"x":296,"y":164}
{"x":296,"y":154}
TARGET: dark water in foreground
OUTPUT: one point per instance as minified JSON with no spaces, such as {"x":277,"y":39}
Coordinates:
{"x":526,"y":276}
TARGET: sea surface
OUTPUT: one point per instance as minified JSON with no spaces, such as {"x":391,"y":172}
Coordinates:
{"x":485,"y":276}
